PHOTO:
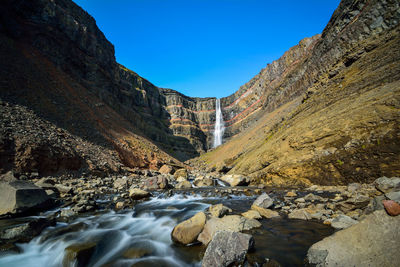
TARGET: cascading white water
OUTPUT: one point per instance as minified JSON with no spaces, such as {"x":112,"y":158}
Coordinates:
{"x":219,"y":124}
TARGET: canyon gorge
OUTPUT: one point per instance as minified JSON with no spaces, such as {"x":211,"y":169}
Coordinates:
{"x":101,"y":167}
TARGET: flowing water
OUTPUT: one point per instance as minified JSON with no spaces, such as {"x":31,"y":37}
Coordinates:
{"x":141,"y":236}
{"x":219,"y":124}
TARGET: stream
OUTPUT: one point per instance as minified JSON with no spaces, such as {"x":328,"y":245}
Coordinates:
{"x":141,"y":236}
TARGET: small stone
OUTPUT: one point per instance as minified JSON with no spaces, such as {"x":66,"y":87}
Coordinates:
{"x":291,"y":194}
{"x":391,"y":207}
{"x":166,"y":169}
{"x":300,"y":200}
{"x":119,"y":205}
{"x":136,"y":193}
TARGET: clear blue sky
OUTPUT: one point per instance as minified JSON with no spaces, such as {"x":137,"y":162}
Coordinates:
{"x":205,"y":47}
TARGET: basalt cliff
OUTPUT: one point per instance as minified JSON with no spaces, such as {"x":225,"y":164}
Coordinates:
{"x":327,"y":111}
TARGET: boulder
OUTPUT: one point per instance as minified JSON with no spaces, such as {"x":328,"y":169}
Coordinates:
{"x":251,"y":214}
{"x":218,"y":210}
{"x":311,"y":197}
{"x":233,"y":223}
{"x":79,"y":254}
{"x":391,"y":207}
{"x":235,"y":180}
{"x":371,"y":242}
{"x":227,"y":249}
{"x":203,"y":181}
{"x":181,"y":179}
{"x":119,"y":205}
{"x":301,"y":214}
{"x":136,"y":193}
{"x":386,"y":185}
{"x":342,"y":222}
{"x":266,"y":213}
{"x":187,"y":231}
{"x":181,"y":173}
{"x":166,"y":169}
{"x":21,"y":196}
{"x":263,"y":201}
{"x":158,"y":182}
{"x":184,"y":185}
{"x":26,"y":231}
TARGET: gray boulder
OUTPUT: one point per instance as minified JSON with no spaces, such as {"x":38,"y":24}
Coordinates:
{"x":372,"y":242}
{"x":342,"y":221}
{"x":233,"y":223}
{"x":235,"y":180}
{"x":21,"y":196}
{"x":264,"y":201}
{"x":227,"y":248}
{"x":386,"y":185}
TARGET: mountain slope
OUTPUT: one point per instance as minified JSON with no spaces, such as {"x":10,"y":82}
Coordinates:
{"x":344,"y":125}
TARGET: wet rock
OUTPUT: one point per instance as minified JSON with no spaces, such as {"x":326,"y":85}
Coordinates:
{"x":391,"y":207}
{"x":78,"y":255}
{"x":218,"y":210}
{"x":67,"y":213}
{"x":166,"y":169}
{"x":63,"y":230}
{"x":181,"y":173}
{"x":227,"y":249}
{"x":266,"y":213}
{"x":235,"y":180}
{"x":136,"y":194}
{"x":137,"y":253}
{"x":181,"y":179}
{"x":21,"y":196}
{"x":26,"y":231}
{"x":187,"y":231}
{"x":372,"y":242}
{"x":342,"y":222}
{"x":233,"y":223}
{"x":386,"y":185}
{"x":119,"y":205}
{"x":252,"y":214}
{"x":184,"y":185}
{"x":263,"y":201}
{"x":301,"y":214}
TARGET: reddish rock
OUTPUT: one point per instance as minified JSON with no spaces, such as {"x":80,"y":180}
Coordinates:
{"x":391,"y":207}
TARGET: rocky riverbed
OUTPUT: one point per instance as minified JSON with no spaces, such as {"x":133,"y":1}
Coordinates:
{"x":95,"y":221}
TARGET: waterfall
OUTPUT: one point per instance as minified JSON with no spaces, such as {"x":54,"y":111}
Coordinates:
{"x":219,"y":124}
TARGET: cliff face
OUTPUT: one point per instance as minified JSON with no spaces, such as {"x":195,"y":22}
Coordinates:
{"x":56,"y":63}
{"x":339,"y":119}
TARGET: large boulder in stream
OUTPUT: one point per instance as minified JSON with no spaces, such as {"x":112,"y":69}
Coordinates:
{"x":233,"y":223}
{"x":235,"y":179}
{"x":78,"y":255}
{"x":227,"y":248}
{"x":187,"y":231}
{"x":261,"y":205}
{"x":22,"y":196}
{"x":372,"y":242}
